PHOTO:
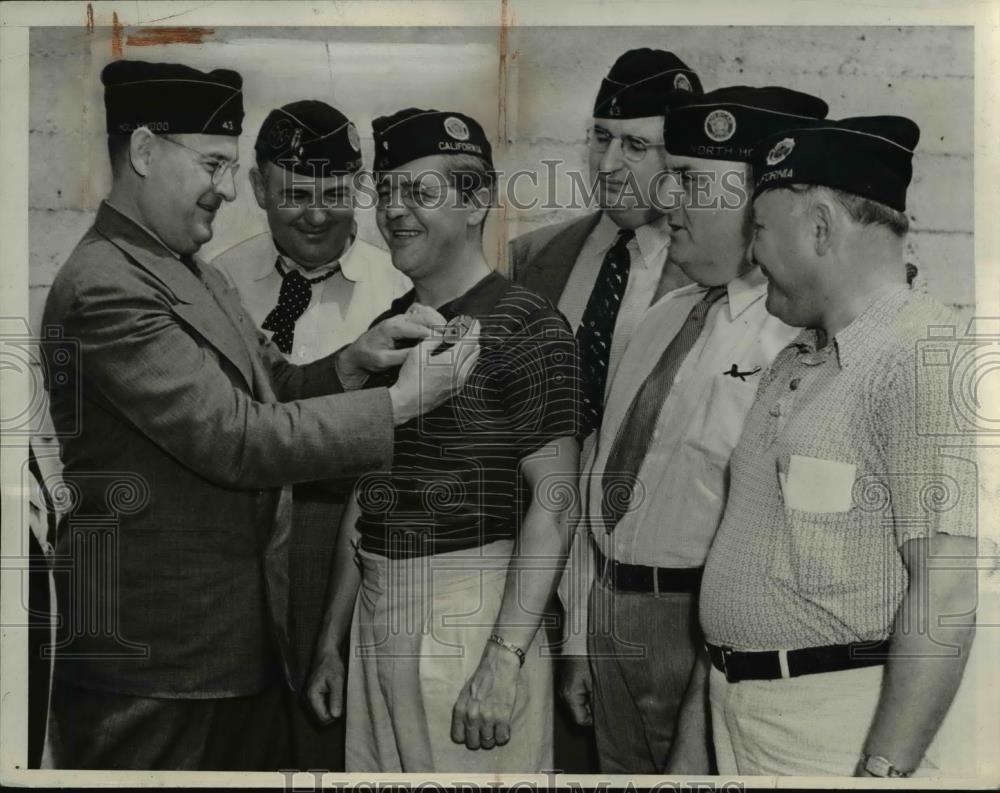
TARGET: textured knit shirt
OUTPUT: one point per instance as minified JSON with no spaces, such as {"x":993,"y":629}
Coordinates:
{"x":454,"y":482}
{"x":839,"y":464}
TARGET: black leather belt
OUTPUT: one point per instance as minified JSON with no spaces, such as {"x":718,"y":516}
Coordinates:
{"x":622,"y":577}
{"x":770,"y":665}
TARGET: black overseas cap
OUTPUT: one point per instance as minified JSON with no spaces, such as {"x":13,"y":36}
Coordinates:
{"x":728,"y":123}
{"x":642,"y":83}
{"x":310,"y":138}
{"x":413,"y":133}
{"x":868,"y":156}
{"x":172,"y":98}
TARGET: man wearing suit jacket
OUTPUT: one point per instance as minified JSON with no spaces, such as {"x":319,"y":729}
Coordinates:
{"x":605,"y":269}
{"x":179,"y":424}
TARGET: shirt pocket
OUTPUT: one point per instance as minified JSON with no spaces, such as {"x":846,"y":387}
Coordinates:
{"x":825,"y":552}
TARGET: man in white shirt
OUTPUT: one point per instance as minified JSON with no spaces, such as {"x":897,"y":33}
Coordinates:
{"x":656,"y":490}
{"x":313,"y":286}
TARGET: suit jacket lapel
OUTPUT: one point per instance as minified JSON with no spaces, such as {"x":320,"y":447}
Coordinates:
{"x":195,"y":305}
{"x":549,"y":271}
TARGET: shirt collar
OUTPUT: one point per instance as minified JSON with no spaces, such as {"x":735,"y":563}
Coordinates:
{"x":477,"y":302}
{"x":652,"y":239}
{"x":349,"y":263}
{"x":868,"y":330}
{"x":745,"y":290}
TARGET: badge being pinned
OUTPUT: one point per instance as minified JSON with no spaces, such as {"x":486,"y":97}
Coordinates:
{"x":457,"y":128}
{"x":720,"y":125}
{"x":781,"y":150}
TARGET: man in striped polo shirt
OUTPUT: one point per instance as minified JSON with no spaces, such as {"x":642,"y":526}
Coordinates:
{"x":457,"y":562}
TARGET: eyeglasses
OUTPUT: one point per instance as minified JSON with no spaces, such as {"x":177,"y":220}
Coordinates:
{"x":216,"y":167}
{"x":633,"y":149}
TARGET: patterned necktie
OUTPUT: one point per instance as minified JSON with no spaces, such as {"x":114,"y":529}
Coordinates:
{"x":636,"y":432}
{"x":598,"y":326}
{"x":293,"y":300}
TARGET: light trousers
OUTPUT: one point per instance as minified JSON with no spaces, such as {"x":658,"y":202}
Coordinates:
{"x":420,"y":626}
{"x":813,"y":725}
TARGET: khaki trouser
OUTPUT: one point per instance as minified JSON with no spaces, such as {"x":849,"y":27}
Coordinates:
{"x":420,"y":626}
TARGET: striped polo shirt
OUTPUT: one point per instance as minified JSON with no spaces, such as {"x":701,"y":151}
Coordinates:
{"x":454,"y":482}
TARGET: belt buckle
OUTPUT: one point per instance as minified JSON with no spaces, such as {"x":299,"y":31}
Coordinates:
{"x":724,"y":652}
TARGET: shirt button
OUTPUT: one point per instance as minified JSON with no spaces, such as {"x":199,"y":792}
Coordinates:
{"x":794,"y":383}
{"x":775,"y":411}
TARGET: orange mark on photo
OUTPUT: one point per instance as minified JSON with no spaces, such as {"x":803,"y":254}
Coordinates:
{"x":116,"y":36}
{"x":150,"y":37}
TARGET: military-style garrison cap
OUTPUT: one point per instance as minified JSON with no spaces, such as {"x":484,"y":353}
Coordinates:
{"x":413,"y":133}
{"x":728,"y":123}
{"x":311,"y":138}
{"x":642,"y":83}
{"x":172,"y":98}
{"x":869,"y":156}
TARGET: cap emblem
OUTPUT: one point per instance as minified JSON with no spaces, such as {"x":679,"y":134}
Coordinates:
{"x":682,"y":83}
{"x":457,"y":128}
{"x":781,"y":150}
{"x":720,"y":125}
{"x":281,"y":133}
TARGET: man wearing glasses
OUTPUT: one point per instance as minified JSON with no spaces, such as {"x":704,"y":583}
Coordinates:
{"x":179,"y":423}
{"x":605,"y":269}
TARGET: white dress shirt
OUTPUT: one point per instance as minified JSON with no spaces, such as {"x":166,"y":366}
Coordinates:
{"x":648,"y":252}
{"x":677,"y":506}
{"x":341,"y":307}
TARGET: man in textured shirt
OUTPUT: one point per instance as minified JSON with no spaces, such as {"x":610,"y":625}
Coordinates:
{"x":313,"y":287}
{"x":457,"y":560}
{"x":835,"y":651}
{"x":674,"y":413}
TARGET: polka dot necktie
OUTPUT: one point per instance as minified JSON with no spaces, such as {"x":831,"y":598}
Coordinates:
{"x":636,"y":431}
{"x":598,"y":326}
{"x":293,"y":300}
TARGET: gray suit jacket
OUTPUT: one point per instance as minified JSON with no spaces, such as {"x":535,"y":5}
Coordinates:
{"x":179,"y":424}
{"x":542,"y":260}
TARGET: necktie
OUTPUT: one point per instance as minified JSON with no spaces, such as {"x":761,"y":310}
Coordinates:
{"x":598,"y":326}
{"x":293,"y":300}
{"x":636,"y":432}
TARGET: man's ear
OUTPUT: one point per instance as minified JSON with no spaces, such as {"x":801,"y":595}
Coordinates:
{"x":140,"y":150}
{"x":822,"y":224}
{"x":479,"y":202}
{"x":259,"y":188}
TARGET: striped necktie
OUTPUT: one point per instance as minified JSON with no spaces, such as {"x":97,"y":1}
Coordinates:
{"x":293,"y":300}
{"x":598,"y":326}
{"x":636,"y":431}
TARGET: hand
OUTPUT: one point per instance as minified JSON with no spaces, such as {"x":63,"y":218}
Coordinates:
{"x":481,"y":716}
{"x":376,"y":349}
{"x":576,"y":688}
{"x":426,"y":382}
{"x":325,"y":688}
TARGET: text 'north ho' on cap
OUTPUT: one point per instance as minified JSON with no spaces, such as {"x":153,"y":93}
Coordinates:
{"x":728,"y":123}
{"x":642,"y":83}
{"x":170,"y":98}
{"x":310,"y":138}
{"x":867,"y":156}
{"x":413,"y":133}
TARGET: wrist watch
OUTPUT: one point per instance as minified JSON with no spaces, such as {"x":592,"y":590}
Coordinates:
{"x":876,"y":765}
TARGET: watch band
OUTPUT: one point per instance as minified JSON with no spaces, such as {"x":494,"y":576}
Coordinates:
{"x":496,"y":638}
{"x":879,"y":766}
